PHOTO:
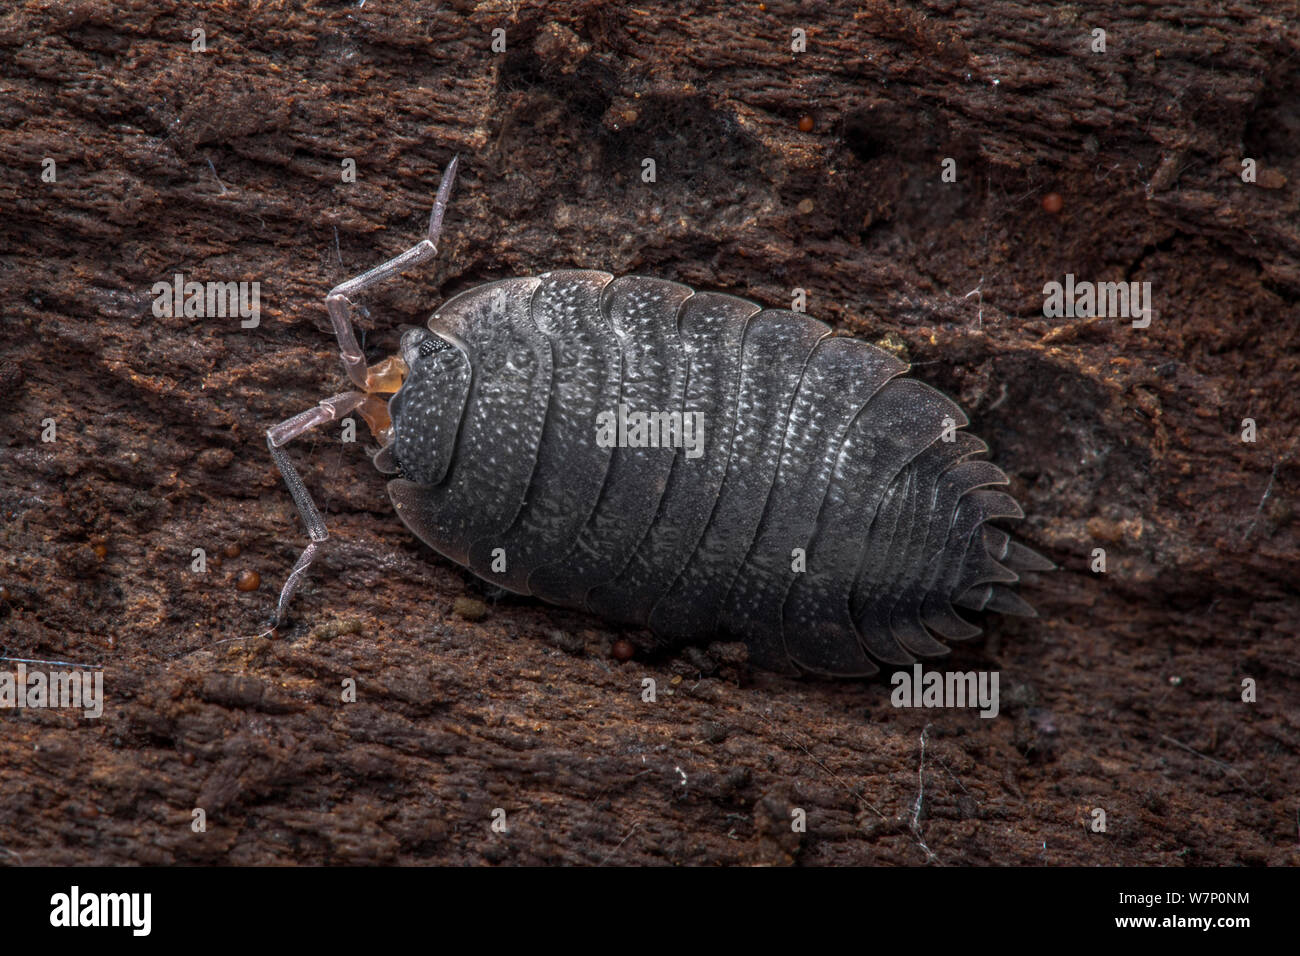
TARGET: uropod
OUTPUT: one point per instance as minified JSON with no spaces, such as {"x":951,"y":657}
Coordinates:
{"x":685,"y":461}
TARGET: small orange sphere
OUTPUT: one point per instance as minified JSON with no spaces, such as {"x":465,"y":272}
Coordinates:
{"x":623,"y":650}
{"x":248,"y":581}
{"x":1053,"y":203}
{"x":101,"y":552}
{"x":806,"y":124}
{"x":231,"y":550}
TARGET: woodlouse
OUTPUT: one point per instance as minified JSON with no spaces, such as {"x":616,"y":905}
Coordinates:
{"x":832,"y":519}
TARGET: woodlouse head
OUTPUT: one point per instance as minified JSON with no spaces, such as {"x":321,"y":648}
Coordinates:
{"x":426,"y":412}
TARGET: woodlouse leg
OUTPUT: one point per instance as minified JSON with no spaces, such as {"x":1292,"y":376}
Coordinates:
{"x":277,"y":435}
{"x":340,"y":307}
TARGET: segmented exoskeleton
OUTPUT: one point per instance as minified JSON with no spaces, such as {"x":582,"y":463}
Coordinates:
{"x":830,"y":513}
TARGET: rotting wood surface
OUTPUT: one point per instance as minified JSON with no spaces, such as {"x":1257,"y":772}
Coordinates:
{"x":226,"y":165}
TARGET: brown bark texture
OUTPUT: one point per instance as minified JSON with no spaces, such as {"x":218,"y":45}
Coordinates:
{"x":226,"y":164}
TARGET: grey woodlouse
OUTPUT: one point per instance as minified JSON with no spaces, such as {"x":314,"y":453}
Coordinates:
{"x":818,"y":446}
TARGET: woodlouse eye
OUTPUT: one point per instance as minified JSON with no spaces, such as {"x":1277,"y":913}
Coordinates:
{"x":431,"y":345}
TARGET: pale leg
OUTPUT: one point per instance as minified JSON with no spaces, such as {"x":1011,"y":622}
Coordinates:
{"x":327,"y":411}
{"x":339,"y":305}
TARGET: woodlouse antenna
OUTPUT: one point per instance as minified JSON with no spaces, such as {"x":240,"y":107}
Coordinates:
{"x":339,"y":305}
